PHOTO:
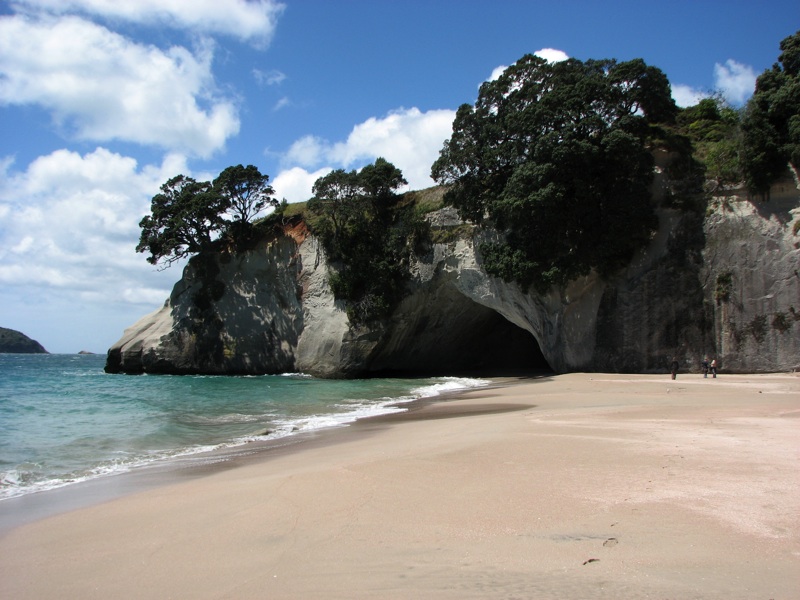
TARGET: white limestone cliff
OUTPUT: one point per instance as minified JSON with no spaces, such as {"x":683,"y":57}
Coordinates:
{"x":270,"y":309}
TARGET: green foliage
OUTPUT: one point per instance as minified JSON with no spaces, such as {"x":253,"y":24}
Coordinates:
{"x":189,"y":215}
{"x":246,"y":190}
{"x":184,"y":217}
{"x":16,"y":342}
{"x":724,"y":285}
{"x":771,"y":124}
{"x":368,"y":236}
{"x":714,"y":128}
{"x":554,"y":155}
{"x":427,"y":200}
{"x":288,"y":211}
{"x":447,"y":235}
{"x":380,"y":180}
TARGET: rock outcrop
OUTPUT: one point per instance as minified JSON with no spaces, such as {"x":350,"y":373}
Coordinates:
{"x":751,"y":273}
{"x":724,"y":285}
{"x":15,"y":342}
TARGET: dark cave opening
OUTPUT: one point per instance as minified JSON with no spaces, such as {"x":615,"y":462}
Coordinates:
{"x":454,"y":335}
{"x":498,"y":348}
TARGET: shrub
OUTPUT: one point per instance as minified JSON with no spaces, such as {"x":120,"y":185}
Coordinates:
{"x":722,"y":291}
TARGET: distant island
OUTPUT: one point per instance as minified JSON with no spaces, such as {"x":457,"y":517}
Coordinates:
{"x":15,"y":342}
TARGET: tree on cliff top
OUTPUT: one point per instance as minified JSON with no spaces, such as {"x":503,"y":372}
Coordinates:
{"x":247,"y":191}
{"x":184,"y":218}
{"x":188,"y":215}
{"x":714,"y":127}
{"x":554,"y":155}
{"x":771,"y":124}
{"x":366,"y":236}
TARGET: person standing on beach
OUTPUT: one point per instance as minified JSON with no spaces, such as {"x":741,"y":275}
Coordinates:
{"x":704,"y":366}
{"x":714,"y":368}
{"x":674,"y":368}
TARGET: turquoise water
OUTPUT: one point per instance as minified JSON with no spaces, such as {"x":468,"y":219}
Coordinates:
{"x":63,"y":420}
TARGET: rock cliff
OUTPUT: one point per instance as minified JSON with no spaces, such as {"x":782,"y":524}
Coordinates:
{"x":723,"y":284}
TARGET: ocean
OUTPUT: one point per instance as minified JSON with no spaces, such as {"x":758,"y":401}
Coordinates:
{"x":63,"y":420}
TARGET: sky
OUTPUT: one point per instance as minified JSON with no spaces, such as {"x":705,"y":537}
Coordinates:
{"x":102,"y":101}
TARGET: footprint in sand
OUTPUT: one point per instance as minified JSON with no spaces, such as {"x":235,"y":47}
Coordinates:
{"x":610,"y":542}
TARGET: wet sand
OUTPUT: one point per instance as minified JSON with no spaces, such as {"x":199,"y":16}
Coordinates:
{"x":575,"y":486}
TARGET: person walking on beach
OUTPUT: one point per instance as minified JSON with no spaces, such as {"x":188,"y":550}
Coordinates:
{"x":704,"y":366}
{"x":674,"y":368}
{"x":714,"y":368}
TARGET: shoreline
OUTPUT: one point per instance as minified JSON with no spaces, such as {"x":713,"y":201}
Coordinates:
{"x":27,"y":508}
{"x":581,"y":485}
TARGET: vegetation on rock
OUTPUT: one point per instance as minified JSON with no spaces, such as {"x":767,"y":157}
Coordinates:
{"x":555,"y":156}
{"x":715,"y":130}
{"x":771,"y":121}
{"x":15,"y":342}
{"x":368,"y":236}
{"x":753,"y":145}
{"x":188,"y":215}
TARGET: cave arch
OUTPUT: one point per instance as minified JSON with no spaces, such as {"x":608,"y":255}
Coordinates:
{"x":447,"y":333}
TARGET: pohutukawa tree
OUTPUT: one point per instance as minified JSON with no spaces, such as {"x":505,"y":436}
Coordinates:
{"x":184,"y":219}
{"x":366,"y":236}
{"x":554,"y":155}
{"x":246,"y":190}
{"x":189,"y":215}
{"x":771,"y":123}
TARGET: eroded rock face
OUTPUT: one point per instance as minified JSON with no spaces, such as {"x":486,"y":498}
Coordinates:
{"x":752,"y":273}
{"x":229,"y":314}
{"x":271,"y":310}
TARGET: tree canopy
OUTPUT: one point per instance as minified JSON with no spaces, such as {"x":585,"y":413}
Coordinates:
{"x":771,"y":123}
{"x":554,"y":155}
{"x":714,"y":128}
{"x":246,"y":190}
{"x":188,"y":215}
{"x":366,"y":236}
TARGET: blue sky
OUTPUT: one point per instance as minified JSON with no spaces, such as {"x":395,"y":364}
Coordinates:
{"x":101,"y":101}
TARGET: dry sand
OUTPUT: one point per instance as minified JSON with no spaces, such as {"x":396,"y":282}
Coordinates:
{"x":576,"y":486}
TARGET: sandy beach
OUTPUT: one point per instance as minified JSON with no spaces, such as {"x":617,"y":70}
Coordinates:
{"x":572,"y":486}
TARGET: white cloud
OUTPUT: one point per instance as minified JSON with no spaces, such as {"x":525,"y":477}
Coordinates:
{"x":549,"y":54}
{"x":408,"y":138}
{"x":685,"y":95}
{"x":71,"y":223}
{"x":496,"y":72}
{"x":308,"y":151}
{"x":295,"y":184}
{"x":249,"y":20}
{"x":69,"y":273}
{"x":273,"y":77}
{"x":100,"y":86}
{"x":736,"y":81}
{"x":282,"y":103}
{"x":552,"y":55}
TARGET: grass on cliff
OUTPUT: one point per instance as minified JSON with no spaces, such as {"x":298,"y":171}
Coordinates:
{"x":425,"y":201}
